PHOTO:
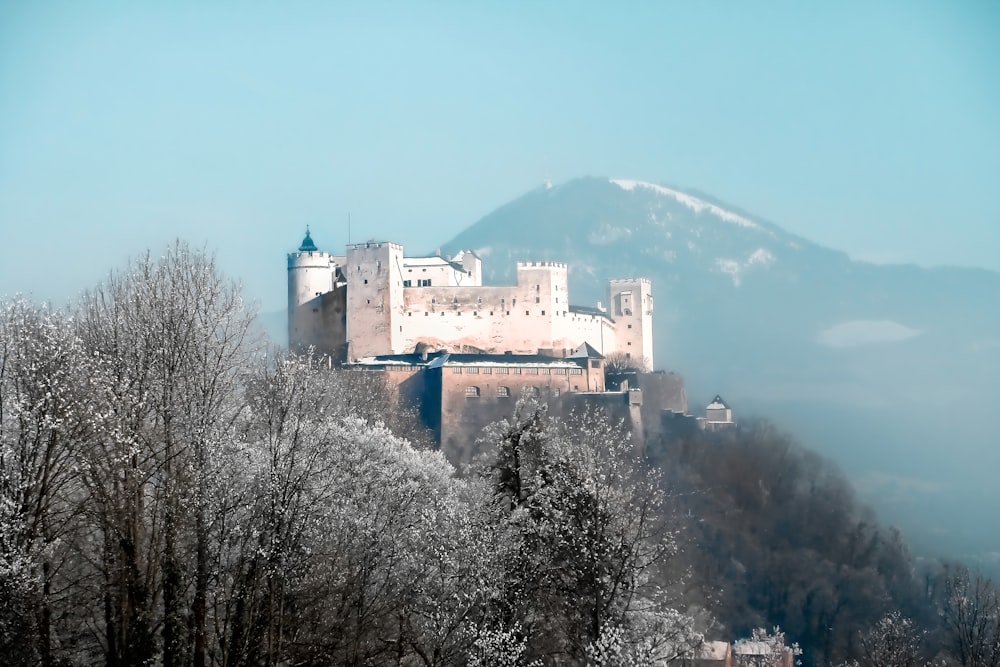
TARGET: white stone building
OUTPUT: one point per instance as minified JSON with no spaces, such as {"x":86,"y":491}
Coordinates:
{"x":376,"y":301}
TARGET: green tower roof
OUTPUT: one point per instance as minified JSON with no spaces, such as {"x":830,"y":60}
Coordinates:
{"x":307,"y":243}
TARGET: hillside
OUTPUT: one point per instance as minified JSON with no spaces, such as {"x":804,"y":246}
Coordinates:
{"x":886,"y":369}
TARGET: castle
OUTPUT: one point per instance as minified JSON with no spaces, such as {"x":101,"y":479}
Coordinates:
{"x":460,"y":352}
{"x":376,"y":301}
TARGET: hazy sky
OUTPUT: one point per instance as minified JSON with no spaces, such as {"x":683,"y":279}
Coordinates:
{"x":872,"y":129}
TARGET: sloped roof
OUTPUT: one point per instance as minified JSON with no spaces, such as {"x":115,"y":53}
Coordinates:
{"x":717,"y":404}
{"x":585,"y":351}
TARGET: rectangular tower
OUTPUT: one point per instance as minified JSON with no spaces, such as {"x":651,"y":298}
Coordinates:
{"x":374,"y":299}
{"x":631,"y":303}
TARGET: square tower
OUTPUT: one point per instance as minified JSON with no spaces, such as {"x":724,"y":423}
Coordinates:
{"x":631,"y":303}
{"x":374,"y":299}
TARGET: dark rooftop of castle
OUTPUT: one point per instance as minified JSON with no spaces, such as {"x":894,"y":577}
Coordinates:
{"x":307,"y":243}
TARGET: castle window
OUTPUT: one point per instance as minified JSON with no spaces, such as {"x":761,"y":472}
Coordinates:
{"x":426,"y":314}
{"x":503,"y":392}
{"x":559,"y":371}
{"x":516,"y":371}
{"x":543,"y":312}
{"x":366,"y":281}
{"x":538,"y":299}
{"x":487,"y":371}
{"x":629,"y":343}
{"x":630,"y":326}
{"x":527,"y":312}
{"x":595,"y":363}
{"x":457,"y":370}
{"x":531,"y":371}
{"x":434,"y":300}
{"x":502,"y":371}
{"x":576,"y":371}
{"x":546,"y":371}
{"x":491,"y":312}
{"x":472,"y":392}
{"x":472,"y":371}
{"x":508,"y":312}
{"x":424,"y":282}
{"x":407,"y":283}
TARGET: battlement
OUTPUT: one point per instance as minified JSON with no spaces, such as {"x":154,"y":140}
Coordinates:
{"x":309,"y":258}
{"x":369,"y":245}
{"x":630,"y":281}
{"x":541,"y":265}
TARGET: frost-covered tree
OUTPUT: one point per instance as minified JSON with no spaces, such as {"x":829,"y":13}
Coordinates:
{"x":165,"y":340}
{"x":347,"y":545}
{"x":766,"y":649}
{"x":42,"y":400}
{"x":584,"y":517}
{"x":893,"y":641}
{"x":972,"y":617}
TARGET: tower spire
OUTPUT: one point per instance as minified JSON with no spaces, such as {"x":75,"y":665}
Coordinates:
{"x":307,"y":243}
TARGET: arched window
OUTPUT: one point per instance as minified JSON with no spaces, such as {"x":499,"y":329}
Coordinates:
{"x":472,"y":392}
{"x":503,"y":392}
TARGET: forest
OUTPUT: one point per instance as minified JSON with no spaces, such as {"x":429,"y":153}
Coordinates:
{"x":175,"y":490}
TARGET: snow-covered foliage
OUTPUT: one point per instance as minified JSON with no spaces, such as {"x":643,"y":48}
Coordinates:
{"x":584,"y":521}
{"x":893,"y":641}
{"x":766,"y":649}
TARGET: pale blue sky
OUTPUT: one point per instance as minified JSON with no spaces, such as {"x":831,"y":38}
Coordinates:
{"x":873,"y":128}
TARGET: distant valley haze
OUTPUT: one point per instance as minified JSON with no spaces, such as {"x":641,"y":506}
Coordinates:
{"x":811,"y":188}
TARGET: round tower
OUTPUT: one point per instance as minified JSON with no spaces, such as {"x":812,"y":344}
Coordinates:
{"x":310,"y":276}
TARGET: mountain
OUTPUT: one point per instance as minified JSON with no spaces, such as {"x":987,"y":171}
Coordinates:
{"x":891,"y":371}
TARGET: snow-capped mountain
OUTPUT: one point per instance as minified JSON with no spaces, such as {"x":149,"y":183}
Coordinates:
{"x":875,"y":365}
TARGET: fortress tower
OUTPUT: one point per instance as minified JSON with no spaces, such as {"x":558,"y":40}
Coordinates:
{"x":374,"y":272}
{"x":631,"y":304}
{"x":316,"y":309}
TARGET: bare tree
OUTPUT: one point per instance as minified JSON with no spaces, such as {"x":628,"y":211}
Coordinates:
{"x":972,"y":617}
